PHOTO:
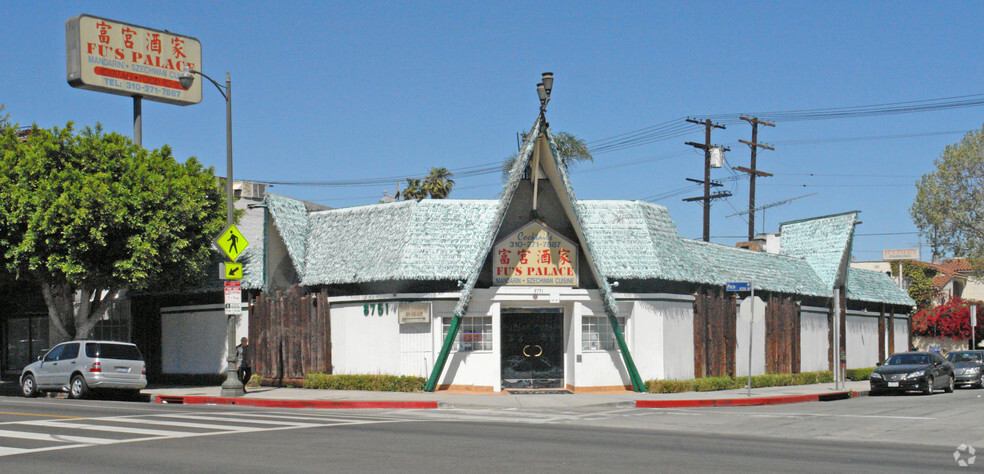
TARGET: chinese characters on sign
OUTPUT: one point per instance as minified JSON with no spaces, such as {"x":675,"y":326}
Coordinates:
{"x":119,"y":58}
{"x":535,"y":255}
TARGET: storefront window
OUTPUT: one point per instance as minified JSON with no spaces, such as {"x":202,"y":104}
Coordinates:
{"x":475,"y":333}
{"x":596,"y":333}
{"x":24,"y":338}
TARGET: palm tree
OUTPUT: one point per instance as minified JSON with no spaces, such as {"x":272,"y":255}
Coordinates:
{"x":570,"y":149}
{"x":439,"y":183}
{"x":414,"y":190}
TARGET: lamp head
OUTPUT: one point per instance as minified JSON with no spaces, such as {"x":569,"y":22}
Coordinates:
{"x":548,"y":82}
{"x":542,"y":92}
{"x":186,"y":79}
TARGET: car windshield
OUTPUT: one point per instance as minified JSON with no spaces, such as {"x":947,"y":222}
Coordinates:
{"x":112,"y":351}
{"x":908,"y":359}
{"x":963,"y":356}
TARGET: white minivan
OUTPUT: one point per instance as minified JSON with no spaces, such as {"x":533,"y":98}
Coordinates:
{"x":77,"y":367}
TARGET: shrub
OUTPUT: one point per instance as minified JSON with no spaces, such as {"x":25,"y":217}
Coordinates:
{"x":708,"y":384}
{"x":378,"y":382}
{"x":858,"y":374}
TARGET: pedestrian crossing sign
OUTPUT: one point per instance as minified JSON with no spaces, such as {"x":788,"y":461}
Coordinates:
{"x":231,"y":242}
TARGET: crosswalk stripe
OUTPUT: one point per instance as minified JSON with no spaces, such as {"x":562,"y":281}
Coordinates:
{"x":4,"y":451}
{"x":183,"y":424}
{"x":52,"y":437}
{"x":114,"y":429}
{"x":232,"y":419}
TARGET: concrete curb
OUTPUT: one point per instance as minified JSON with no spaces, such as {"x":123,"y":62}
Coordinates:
{"x":323,"y":404}
{"x":726,"y":402}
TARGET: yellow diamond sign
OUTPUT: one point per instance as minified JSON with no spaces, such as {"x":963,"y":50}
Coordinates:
{"x":231,"y":242}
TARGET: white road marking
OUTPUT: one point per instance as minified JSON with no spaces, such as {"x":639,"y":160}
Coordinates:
{"x":52,"y":437}
{"x":234,"y":422}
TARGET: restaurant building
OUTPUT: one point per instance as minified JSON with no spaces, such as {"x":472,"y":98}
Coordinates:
{"x":540,"y":290}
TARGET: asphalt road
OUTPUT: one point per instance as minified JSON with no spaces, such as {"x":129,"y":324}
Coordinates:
{"x":870,"y":434}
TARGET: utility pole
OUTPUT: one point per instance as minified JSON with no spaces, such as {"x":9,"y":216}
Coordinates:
{"x":752,"y":171}
{"x":707,"y":197}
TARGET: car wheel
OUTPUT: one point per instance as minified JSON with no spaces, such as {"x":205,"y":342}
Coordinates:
{"x":980,"y":383}
{"x":29,"y":388}
{"x":949,"y":386}
{"x":78,"y":389}
{"x":929,"y":386}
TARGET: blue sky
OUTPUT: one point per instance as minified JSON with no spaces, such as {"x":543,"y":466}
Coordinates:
{"x":333,"y":91}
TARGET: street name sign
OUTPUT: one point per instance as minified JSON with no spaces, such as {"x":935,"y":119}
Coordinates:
{"x":738,"y":286}
{"x":231,"y":242}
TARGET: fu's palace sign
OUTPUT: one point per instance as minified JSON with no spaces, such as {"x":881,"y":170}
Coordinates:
{"x":120,"y":58}
{"x":535,"y":255}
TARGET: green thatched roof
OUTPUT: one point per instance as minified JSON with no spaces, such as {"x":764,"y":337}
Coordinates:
{"x":431,"y":239}
{"x":439,"y":239}
{"x":824,"y":242}
{"x":875,"y":287}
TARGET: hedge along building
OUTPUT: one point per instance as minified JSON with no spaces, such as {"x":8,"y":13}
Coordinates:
{"x":540,"y":290}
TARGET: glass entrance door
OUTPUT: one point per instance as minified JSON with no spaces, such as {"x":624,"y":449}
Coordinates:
{"x":533,"y":349}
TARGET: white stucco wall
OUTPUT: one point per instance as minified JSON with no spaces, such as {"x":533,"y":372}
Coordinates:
{"x":194,"y":341}
{"x":813,"y":339}
{"x":364,"y":344}
{"x":602,"y":368}
{"x":901,"y":333}
{"x":862,"y":339}
{"x":758,"y":337}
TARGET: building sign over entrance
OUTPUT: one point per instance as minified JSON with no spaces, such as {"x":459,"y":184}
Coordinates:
{"x":535,"y":255}
{"x":120,"y":58}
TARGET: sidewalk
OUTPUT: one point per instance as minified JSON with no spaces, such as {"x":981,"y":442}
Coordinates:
{"x":307,"y":398}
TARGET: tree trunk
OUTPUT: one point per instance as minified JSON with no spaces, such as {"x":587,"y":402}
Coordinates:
{"x":71,"y":320}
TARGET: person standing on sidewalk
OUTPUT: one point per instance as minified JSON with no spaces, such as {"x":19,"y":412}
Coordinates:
{"x":244,"y":371}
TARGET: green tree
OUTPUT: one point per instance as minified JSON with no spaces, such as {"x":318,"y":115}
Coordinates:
{"x":414,"y":190}
{"x":949,"y":203}
{"x":920,"y":281}
{"x":87,"y":215}
{"x":439,"y":183}
{"x":4,"y":118}
{"x":571,"y":150}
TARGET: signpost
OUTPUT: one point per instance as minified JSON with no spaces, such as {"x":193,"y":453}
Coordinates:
{"x":747,"y":286}
{"x":232,"y":243}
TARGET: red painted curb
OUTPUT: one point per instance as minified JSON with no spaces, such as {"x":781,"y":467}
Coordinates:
{"x":724,"y":402}
{"x":253,"y":402}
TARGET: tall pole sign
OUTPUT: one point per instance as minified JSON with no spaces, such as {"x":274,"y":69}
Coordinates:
{"x":747,"y":286}
{"x":135,"y":61}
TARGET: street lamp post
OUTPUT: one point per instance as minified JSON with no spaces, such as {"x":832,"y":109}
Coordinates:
{"x":232,"y":387}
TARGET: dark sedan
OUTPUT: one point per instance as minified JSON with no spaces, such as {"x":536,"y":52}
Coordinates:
{"x":968,"y":367}
{"x":911,"y":371}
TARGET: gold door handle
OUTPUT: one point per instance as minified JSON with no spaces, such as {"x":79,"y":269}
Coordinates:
{"x":539,"y":353}
{"x":524,"y":350}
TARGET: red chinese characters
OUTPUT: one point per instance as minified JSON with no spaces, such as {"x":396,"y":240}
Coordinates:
{"x":565,"y":256}
{"x":504,"y":256}
{"x":103,"y":31}
{"x":177,"y":44}
{"x":128,"y":35}
{"x":154,"y":42}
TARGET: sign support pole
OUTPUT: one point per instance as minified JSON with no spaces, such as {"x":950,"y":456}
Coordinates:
{"x":138,"y":120}
{"x":751,"y":326}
